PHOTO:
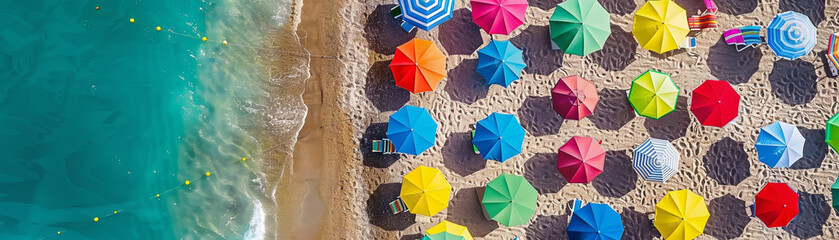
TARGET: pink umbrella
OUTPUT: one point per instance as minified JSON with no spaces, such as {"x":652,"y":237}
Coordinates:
{"x":498,"y":16}
{"x":580,"y":159}
{"x":574,"y":97}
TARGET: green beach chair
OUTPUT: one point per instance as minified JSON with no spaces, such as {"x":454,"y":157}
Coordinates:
{"x":384,"y":146}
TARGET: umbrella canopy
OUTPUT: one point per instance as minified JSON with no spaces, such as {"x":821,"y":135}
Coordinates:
{"x":776,"y":204}
{"x":574,"y":97}
{"x":715,"y":103}
{"x":580,"y":27}
{"x":411,"y":129}
{"x":426,"y":14}
{"x":834,"y":193}
{"x":779,"y":145}
{"x":580,"y":159}
{"x":418,"y":66}
{"x":831,"y":136}
{"x":655,"y":160}
{"x":833,"y":51}
{"x":595,"y":221}
{"x":660,"y":25}
{"x":681,"y":215}
{"x":450,"y":227}
{"x":510,"y":200}
{"x":425,"y":191}
{"x":791,"y":35}
{"x":500,"y":62}
{"x":653,"y":94}
{"x":498,"y":137}
{"x":442,"y":236}
{"x":498,"y":16}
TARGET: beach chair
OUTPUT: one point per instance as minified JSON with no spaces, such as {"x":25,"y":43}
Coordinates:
{"x":474,"y":148}
{"x":396,"y":13}
{"x":397,"y":206}
{"x":689,"y":43}
{"x":576,"y":204}
{"x":744,"y":37}
{"x":384,"y":146}
{"x":710,"y":6}
{"x":702,"y":21}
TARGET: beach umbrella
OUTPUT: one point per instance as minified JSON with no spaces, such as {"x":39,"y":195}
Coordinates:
{"x":450,"y":227}
{"x":779,"y":145}
{"x":498,"y":16}
{"x":574,"y":97}
{"x":510,"y":200}
{"x":418,"y":66}
{"x":442,"y":236}
{"x":498,"y":137}
{"x":681,"y":215}
{"x":660,"y":25}
{"x":791,"y":35}
{"x":426,"y":14}
{"x":655,"y":160}
{"x":715,"y":103}
{"x":579,"y":27}
{"x":653,"y":94}
{"x":425,"y":191}
{"x":831,"y":136}
{"x":595,"y":221}
{"x":411,"y":129}
{"x":833,"y":51}
{"x":580,"y":159}
{"x":500,"y":62}
{"x":834,"y":193}
{"x":776,"y":204}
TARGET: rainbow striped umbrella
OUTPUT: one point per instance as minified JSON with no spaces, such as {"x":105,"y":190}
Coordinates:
{"x":832,"y":51}
{"x":655,"y":160}
{"x":791,"y":35}
{"x":426,"y":14}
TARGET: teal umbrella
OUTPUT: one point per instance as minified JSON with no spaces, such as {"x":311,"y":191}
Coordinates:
{"x":442,"y":236}
{"x":580,"y":27}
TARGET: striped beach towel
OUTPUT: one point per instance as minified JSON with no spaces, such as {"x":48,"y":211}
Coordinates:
{"x":742,"y":37}
{"x":703,"y":21}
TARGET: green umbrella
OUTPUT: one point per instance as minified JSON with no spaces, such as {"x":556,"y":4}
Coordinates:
{"x":442,"y":236}
{"x":510,"y":200}
{"x":834,"y":192}
{"x":832,"y":132}
{"x":580,"y":27}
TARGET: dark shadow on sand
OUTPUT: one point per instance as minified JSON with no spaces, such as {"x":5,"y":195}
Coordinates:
{"x":814,"y":9}
{"x":637,"y":225}
{"x":815,"y":149}
{"x":466,"y":210}
{"x":412,"y":237}
{"x":619,"y":7}
{"x":464,"y":84}
{"x":814,"y":211}
{"x":671,"y":126}
{"x":618,"y":177}
{"x":540,"y":171}
{"x":538,"y":55}
{"x":548,"y":227}
{"x":728,"y":217}
{"x":459,"y":35}
{"x":794,"y":82}
{"x":613,"y":111}
{"x":691,"y":7}
{"x":459,"y":157}
{"x":729,"y":65}
{"x":544,"y":4}
{"x":381,"y":89}
{"x":538,"y":117}
{"x":378,"y":209}
{"x":383,"y":33}
{"x":618,"y":52}
{"x":736,"y":7}
{"x":727,"y":162}
{"x":376,"y":131}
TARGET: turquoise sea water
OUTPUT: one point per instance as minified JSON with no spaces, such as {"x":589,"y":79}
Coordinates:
{"x":98,"y":114}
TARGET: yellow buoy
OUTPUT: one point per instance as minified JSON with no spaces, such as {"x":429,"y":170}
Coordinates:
{"x":158,"y":28}
{"x":187,"y":182}
{"x":96,"y":219}
{"x":115,"y":212}
{"x":131,"y":20}
{"x":97,"y":8}
{"x":207,"y":173}
{"x":158,"y":195}
{"x":204,"y":39}
{"x":59,"y":232}
{"x":224,"y":42}
{"x":243,"y":159}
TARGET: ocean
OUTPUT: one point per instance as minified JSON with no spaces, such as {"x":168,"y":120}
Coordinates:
{"x":99,"y":115}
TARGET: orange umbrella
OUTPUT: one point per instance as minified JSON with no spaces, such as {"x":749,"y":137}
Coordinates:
{"x":418,"y":66}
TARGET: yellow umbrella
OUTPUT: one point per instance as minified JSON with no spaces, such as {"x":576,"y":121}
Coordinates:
{"x":452,"y":228}
{"x":681,"y":215}
{"x":660,"y":25}
{"x":425,"y":191}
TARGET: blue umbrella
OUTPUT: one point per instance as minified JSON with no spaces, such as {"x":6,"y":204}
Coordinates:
{"x":655,"y":160}
{"x":779,"y":145}
{"x":500,"y":62}
{"x":426,"y":14}
{"x":412,"y":130}
{"x":791,"y":35}
{"x":499,"y":137}
{"x":595,"y":221}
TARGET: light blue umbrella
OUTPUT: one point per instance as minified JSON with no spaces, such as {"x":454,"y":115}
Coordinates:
{"x":412,"y":130}
{"x":500,"y":62}
{"x":791,"y":35}
{"x":499,"y":137}
{"x":595,"y":221}
{"x":426,"y":14}
{"x":779,"y":145}
{"x":655,"y":160}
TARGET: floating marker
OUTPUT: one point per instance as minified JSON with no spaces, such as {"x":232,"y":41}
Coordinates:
{"x":115,"y":212}
{"x":243,"y":159}
{"x":97,"y":8}
{"x":208,"y":174}
{"x":204,"y":39}
{"x":59,"y":232}
{"x":96,"y":219}
{"x":131,"y":20}
{"x":158,"y":195}
{"x":158,"y":28}
{"x":187,"y":182}
{"x":225,"y":43}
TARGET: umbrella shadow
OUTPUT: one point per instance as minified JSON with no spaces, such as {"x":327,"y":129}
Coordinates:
{"x":736,"y":7}
{"x":814,"y":212}
{"x":459,"y":157}
{"x":815,"y":149}
{"x":727,"y":64}
{"x":671,"y":126}
{"x":728,"y":217}
{"x":618,"y":177}
{"x":727,"y":162}
{"x":637,"y":225}
{"x":794,"y":82}
{"x":383,"y":33}
{"x":378,"y":210}
{"x":464,"y":84}
{"x":540,"y":171}
{"x":613,"y":111}
{"x":618,"y":52}
{"x":412,"y":237}
{"x":381,"y":89}
{"x":691,"y":7}
{"x":466,"y":210}
{"x":375,"y":131}
{"x":544,"y":4}
{"x":460,"y":35}
{"x":619,"y":7}
{"x":538,"y":117}
{"x":814,"y":9}
{"x":538,"y":55}
{"x":548,"y":227}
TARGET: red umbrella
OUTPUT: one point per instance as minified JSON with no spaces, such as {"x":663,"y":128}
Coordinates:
{"x":580,"y":159}
{"x":574,"y":97}
{"x":715,"y":103}
{"x":418,"y":66}
{"x":776,"y":204}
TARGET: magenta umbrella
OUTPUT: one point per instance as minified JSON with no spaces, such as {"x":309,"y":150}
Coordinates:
{"x":498,"y":16}
{"x":574,"y":97}
{"x":580,"y":159}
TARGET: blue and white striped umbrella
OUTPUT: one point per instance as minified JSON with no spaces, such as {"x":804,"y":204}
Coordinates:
{"x":426,"y":14}
{"x":779,"y":145}
{"x":791,"y":35}
{"x":655,"y":160}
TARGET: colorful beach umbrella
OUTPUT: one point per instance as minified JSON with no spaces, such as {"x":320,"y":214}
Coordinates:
{"x":779,"y":145}
{"x":442,"y":236}
{"x":500,"y":62}
{"x":776,"y":204}
{"x":574,"y":97}
{"x":426,"y":14}
{"x":660,"y":25}
{"x":580,"y":159}
{"x":412,"y":130}
{"x":834,"y":193}
{"x":450,"y":227}
{"x":833,"y":51}
{"x":715,"y":103}
{"x":498,"y":137}
{"x":418,"y":66}
{"x":510,"y":200}
{"x":580,"y":27}
{"x":681,"y":215}
{"x":655,"y":160}
{"x":791,"y":35}
{"x":595,"y":221}
{"x":831,"y":136}
{"x":425,"y":191}
{"x":653,"y":94}
{"x":498,"y":16}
